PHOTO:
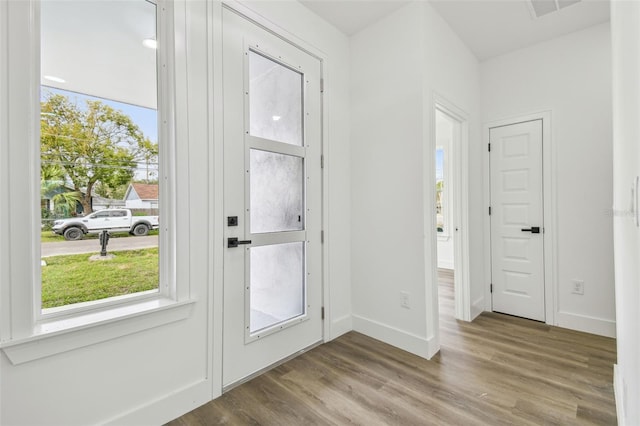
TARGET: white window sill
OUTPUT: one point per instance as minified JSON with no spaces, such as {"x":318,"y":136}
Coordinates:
{"x":60,"y":335}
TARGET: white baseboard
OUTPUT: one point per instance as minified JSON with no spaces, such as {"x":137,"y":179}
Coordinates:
{"x":618,"y":389}
{"x":593,"y":325}
{"x":166,"y":408}
{"x":477,"y":308}
{"x":341,"y":326}
{"x":409,"y":342}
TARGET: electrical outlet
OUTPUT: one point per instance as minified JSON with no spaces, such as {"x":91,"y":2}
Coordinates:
{"x":404,"y":299}
{"x":578,"y":287}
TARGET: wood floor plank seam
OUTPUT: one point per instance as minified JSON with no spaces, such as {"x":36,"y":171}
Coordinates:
{"x":496,"y":370}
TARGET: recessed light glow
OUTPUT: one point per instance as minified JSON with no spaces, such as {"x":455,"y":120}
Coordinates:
{"x":150,"y":43}
{"x":276,"y":117}
{"x":54,"y":78}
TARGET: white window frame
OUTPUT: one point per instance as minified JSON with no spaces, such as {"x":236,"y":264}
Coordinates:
{"x":26,"y":333}
{"x":447,"y":217}
{"x":444,"y":234}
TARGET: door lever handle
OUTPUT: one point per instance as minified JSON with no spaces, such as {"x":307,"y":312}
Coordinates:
{"x":233,"y":242}
{"x":533,"y":230}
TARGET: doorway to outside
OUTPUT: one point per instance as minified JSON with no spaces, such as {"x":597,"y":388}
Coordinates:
{"x":450,"y":144}
{"x":272,"y":199}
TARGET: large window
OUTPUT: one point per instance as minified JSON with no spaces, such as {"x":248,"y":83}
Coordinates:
{"x":444,"y":143}
{"x":440,"y":209}
{"x":88,"y":124}
{"x":99,"y":153}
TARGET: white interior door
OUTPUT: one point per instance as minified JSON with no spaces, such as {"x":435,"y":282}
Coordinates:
{"x":272,"y":199}
{"x":517,"y":229}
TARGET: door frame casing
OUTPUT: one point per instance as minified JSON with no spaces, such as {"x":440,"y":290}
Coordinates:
{"x":216,"y":178}
{"x":460,"y":197}
{"x":549,"y":189}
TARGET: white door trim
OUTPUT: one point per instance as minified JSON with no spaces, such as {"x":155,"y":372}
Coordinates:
{"x":549,"y":174}
{"x":461,"y":219}
{"x":460,"y":166}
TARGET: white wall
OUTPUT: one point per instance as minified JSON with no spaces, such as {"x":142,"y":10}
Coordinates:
{"x":571,"y":77}
{"x":392,"y":93}
{"x":445,"y":252}
{"x":152,"y":376}
{"x":387,"y":216}
{"x":452,"y":72}
{"x":625,"y":26}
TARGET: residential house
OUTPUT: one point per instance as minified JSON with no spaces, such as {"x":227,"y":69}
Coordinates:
{"x":100,"y":203}
{"x":141,"y":196}
{"x":371,"y":89}
{"x":97,"y":203}
{"x":47,"y":202}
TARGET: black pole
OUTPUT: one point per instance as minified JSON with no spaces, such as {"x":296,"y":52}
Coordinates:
{"x":104,"y":240}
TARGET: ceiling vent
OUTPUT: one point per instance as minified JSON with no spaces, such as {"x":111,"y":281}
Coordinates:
{"x":539,"y":8}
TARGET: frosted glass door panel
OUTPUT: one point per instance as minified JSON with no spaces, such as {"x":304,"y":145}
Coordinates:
{"x":277,"y":289}
{"x":276,"y":191}
{"x":275,"y":101}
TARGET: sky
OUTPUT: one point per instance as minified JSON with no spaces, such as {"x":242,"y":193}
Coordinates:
{"x":145,"y":118}
{"x":439,"y":164}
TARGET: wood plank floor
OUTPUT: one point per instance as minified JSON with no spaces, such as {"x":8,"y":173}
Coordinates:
{"x":497,"y":370}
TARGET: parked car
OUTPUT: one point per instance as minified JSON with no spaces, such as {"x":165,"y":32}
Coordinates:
{"x":112,"y":220}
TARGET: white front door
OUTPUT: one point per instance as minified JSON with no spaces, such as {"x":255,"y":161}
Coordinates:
{"x":517,"y":229}
{"x":272,"y":199}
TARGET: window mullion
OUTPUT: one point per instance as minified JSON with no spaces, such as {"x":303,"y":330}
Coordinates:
{"x":5,"y":252}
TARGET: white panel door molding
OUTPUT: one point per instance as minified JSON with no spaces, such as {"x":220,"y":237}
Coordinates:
{"x":517,"y":219}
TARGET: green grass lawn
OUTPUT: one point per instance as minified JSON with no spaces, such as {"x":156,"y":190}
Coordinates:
{"x":50,"y":237}
{"x":75,"y":279}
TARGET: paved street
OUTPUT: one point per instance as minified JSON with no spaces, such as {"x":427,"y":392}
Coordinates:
{"x":93,"y":245}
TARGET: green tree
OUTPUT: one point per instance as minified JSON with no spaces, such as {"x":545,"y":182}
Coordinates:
{"x":52,"y":187}
{"x":113,"y":193}
{"x":148,"y":154}
{"x":94,"y":146}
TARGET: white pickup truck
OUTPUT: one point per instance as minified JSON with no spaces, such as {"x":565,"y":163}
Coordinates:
{"x":112,"y":220}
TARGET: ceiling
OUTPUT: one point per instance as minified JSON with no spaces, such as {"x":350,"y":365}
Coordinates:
{"x":96,"y":48}
{"x":488,"y":27}
{"x":351,"y":16}
{"x":80,"y":46}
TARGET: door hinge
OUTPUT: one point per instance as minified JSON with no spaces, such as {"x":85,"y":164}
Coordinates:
{"x":322,"y":313}
{"x":322,"y":161}
{"x":489,"y":210}
{"x":322,"y":237}
{"x":322,"y":85}
{"x":489,"y":147}
{"x":490,"y":288}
